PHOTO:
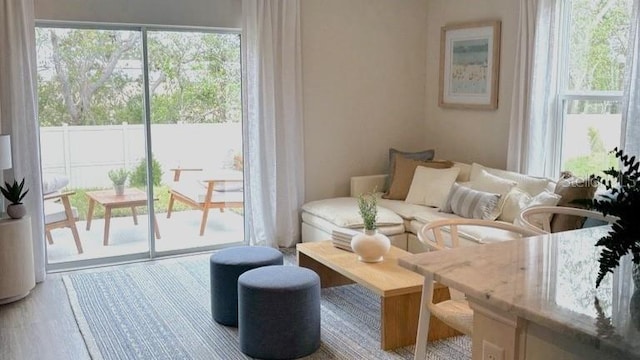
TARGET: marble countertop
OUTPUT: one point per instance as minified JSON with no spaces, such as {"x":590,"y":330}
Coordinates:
{"x":549,"y":280}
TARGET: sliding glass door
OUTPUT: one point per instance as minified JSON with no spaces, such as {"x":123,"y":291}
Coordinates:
{"x":116,"y":104}
{"x":196,"y":128}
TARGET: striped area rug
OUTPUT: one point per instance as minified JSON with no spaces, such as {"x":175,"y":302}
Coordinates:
{"x":161,"y":310}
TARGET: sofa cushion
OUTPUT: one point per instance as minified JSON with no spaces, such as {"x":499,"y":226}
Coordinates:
{"x":484,"y":181}
{"x":472,"y":204}
{"x":403,"y":175}
{"x":571,"y":188}
{"x":465,"y":171}
{"x":530,"y":184}
{"x":431,"y":187}
{"x":404,"y":209}
{"x":343,"y":212}
{"x":423,"y":155}
{"x":329,"y":227}
{"x":518,"y":200}
{"x":52,"y":183}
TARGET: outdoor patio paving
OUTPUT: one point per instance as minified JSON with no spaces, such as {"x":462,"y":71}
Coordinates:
{"x":179,"y":232}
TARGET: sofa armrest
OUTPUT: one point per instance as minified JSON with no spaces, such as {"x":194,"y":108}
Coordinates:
{"x":369,"y":183}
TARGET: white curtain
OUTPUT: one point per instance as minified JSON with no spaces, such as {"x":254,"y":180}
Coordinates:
{"x":274,"y":128}
{"x":18,"y":111}
{"x":531,"y":129}
{"x":630,"y":141}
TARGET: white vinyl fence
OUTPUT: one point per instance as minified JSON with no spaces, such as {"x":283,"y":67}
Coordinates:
{"x":86,"y":153}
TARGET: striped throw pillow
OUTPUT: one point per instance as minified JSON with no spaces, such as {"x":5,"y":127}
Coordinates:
{"x":472,"y":204}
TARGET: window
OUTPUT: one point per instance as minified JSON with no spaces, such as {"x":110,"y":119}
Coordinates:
{"x":593,"y":52}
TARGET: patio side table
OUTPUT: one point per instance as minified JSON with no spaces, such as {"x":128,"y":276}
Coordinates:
{"x":109,"y":200}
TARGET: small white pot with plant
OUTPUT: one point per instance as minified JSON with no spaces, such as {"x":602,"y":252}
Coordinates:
{"x":372,"y":245}
{"x":119,"y":178}
{"x":15,"y":193}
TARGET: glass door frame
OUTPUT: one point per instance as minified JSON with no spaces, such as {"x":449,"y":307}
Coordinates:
{"x":152,"y":252}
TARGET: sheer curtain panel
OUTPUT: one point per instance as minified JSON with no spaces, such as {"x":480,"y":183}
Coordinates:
{"x":531,"y":129}
{"x":631,"y":104}
{"x":274,"y":128}
{"x":18,"y":111}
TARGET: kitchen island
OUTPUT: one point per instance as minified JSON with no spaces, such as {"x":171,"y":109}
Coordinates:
{"x":535,"y":298}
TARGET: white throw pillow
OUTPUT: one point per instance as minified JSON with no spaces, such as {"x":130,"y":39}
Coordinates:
{"x":520,"y":200}
{"x":483,"y":181}
{"x":530,"y":184}
{"x":431,"y":186}
{"x":53,"y":182}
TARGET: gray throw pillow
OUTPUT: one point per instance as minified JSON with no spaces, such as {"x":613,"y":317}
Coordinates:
{"x":471,"y":204}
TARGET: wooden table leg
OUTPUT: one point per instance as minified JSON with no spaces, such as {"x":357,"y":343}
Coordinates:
{"x":92,"y":204}
{"x":328,"y":277}
{"x":107,"y":222}
{"x":135,"y":215}
{"x":399,"y":320}
{"x":425,"y":316}
{"x":155,"y":226}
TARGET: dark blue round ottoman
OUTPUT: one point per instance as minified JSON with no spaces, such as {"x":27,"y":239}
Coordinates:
{"x":279,"y":312}
{"x":225,"y":267}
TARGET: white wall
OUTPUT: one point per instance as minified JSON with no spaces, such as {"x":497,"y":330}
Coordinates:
{"x":468,"y":135}
{"x":211,"y":13}
{"x":363,"y":85}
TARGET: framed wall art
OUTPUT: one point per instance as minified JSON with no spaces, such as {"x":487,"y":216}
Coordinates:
{"x":470,"y":65}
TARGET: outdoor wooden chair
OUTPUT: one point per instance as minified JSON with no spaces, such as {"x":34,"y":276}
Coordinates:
{"x":218,"y":190}
{"x":58,"y":213}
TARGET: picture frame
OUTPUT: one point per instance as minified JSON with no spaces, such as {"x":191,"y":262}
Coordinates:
{"x":470,"y":65}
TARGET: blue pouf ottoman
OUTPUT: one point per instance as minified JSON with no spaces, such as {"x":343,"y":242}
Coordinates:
{"x":225,"y":266}
{"x":279,"y":312}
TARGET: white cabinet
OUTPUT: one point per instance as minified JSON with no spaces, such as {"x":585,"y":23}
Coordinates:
{"x":17,"y":276}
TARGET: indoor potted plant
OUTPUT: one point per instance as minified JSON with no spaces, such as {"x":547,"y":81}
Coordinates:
{"x":622,"y":200}
{"x":370,"y":245}
{"x":118,"y":178}
{"x":15,"y":193}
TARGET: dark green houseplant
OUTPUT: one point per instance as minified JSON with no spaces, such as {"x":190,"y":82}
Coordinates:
{"x":622,"y":200}
{"x":15,"y":193}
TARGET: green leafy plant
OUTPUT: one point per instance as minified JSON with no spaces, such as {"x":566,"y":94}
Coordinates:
{"x":368,"y":207}
{"x":621,"y":200}
{"x":139,"y":173}
{"x":14,"y":192}
{"x":118,"y":176}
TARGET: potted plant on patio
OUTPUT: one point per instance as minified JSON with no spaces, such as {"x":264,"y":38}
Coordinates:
{"x":15,"y":193}
{"x":119,"y":178}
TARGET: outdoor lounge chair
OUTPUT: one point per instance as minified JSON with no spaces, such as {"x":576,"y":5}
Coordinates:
{"x":218,"y":190}
{"x":58,"y":213}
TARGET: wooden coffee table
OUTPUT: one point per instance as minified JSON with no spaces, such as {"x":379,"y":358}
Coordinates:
{"x":399,"y":289}
{"x":107,"y":198}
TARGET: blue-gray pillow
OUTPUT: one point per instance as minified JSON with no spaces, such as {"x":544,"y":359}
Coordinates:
{"x":471,"y":204}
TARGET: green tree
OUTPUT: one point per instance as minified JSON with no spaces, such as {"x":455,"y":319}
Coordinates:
{"x":94,"y":77}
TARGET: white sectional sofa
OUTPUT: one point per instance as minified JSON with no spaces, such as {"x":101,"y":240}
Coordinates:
{"x":401,"y":220}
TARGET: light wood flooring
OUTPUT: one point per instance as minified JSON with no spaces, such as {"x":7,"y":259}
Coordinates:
{"x":41,"y":326}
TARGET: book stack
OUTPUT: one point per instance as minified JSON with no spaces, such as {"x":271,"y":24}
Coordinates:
{"x":341,"y":238}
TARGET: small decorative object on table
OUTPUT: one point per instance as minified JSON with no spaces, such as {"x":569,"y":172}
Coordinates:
{"x":119,"y":178}
{"x":622,"y":200}
{"x":372,"y":245}
{"x":15,"y":193}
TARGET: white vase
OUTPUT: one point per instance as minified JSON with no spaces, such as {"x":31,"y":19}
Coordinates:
{"x":370,"y":246}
